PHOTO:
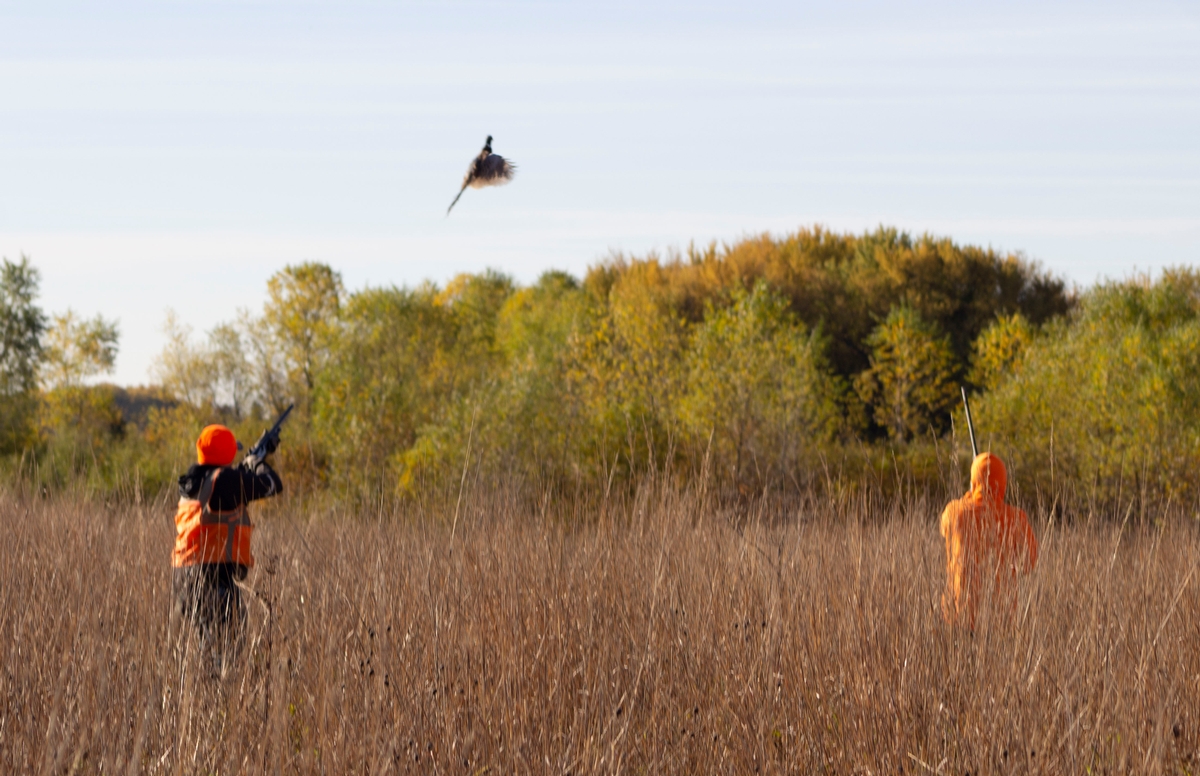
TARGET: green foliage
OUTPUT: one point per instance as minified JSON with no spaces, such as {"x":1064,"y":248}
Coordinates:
{"x":753,"y":365}
{"x":522,"y":419}
{"x":110,"y":440}
{"x":391,"y":367}
{"x":21,"y":325}
{"x":911,"y":384}
{"x":85,"y":419}
{"x":758,"y":386}
{"x":544,"y":425}
{"x":1107,"y":400}
{"x":401,"y":363}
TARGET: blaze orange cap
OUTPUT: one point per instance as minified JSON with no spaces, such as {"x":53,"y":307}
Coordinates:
{"x":216,"y":446}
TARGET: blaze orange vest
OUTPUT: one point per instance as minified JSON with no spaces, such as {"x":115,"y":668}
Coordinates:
{"x":207,"y":536}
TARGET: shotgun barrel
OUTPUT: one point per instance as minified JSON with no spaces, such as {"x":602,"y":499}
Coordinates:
{"x":970,"y":425}
{"x":267,"y":443}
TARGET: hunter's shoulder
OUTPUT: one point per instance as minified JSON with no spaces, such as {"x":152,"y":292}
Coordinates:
{"x":958,"y":507}
{"x":952,"y":514}
{"x":191,"y":481}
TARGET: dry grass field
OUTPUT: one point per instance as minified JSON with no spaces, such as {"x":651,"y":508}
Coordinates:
{"x":658,"y":637}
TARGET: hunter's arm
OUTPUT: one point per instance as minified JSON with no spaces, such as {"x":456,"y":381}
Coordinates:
{"x":259,"y":480}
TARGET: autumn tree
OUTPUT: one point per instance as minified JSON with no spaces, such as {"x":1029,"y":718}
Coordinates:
{"x":542,"y":425}
{"x":75,"y":350}
{"x":910,"y":385}
{"x":1108,"y":399}
{"x":845,"y":283}
{"x":633,"y":368}
{"x":757,"y":385}
{"x":303,"y":302}
{"x":183,"y":368}
{"x":629,"y":367}
{"x":234,"y":385}
{"x":405,"y":371}
{"x":214,"y":374}
{"x":999,"y":349}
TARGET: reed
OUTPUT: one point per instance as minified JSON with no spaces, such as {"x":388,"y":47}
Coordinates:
{"x":659,"y":636}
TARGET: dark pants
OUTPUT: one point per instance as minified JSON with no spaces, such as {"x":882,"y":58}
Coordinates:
{"x":207,"y":598}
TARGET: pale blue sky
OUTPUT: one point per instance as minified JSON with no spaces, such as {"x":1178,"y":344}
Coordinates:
{"x":159,"y":155}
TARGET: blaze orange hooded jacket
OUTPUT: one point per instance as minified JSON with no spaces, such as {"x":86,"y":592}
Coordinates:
{"x":981,"y":533}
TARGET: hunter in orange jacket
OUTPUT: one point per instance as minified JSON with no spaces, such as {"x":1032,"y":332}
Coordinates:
{"x":213,"y":529}
{"x":983,"y":533}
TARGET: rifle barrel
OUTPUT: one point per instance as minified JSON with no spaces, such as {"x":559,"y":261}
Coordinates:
{"x":970,"y":425}
{"x":279,"y":423}
{"x":258,"y":448}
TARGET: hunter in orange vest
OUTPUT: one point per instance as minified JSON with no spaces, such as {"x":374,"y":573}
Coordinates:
{"x":983,"y":534}
{"x":212,"y":531}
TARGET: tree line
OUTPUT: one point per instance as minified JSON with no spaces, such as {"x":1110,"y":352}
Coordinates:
{"x":753,"y":366}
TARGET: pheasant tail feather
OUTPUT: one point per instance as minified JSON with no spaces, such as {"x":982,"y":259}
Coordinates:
{"x":455,"y":202}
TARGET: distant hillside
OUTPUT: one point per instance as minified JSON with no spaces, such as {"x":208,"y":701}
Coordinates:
{"x":136,"y":402}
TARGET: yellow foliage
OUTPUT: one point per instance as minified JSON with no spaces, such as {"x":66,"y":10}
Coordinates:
{"x":999,"y":350}
{"x":910,"y":384}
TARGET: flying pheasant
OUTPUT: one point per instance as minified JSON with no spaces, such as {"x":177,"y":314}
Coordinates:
{"x":487,"y":169}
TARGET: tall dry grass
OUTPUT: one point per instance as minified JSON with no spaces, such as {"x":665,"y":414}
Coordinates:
{"x":660,"y":638}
